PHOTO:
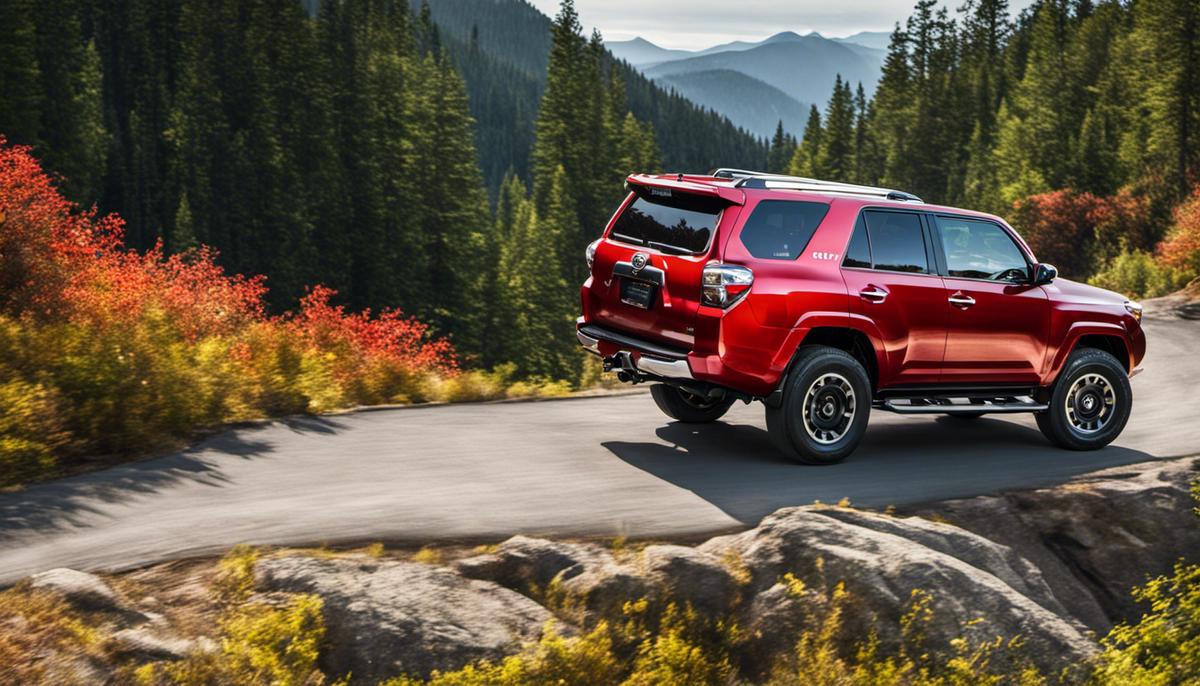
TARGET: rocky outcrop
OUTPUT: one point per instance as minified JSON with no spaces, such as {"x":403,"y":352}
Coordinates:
{"x":1095,"y":538}
{"x":387,"y":618}
{"x":977,"y":594}
{"x":84,"y":591}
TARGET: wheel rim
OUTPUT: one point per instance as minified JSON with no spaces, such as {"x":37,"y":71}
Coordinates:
{"x":1090,"y":403}
{"x":828,"y":408}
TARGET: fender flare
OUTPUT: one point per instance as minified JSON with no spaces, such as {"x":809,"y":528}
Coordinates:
{"x":1078,"y":330}
{"x":823,"y":319}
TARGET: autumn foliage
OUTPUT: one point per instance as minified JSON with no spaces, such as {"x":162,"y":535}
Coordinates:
{"x":107,"y":350}
{"x":1181,"y":249}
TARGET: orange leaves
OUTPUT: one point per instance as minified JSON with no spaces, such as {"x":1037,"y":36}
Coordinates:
{"x":1182,"y":246}
{"x":137,"y":347}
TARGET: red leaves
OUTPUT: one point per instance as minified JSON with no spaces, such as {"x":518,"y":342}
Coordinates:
{"x":1072,"y":230}
{"x":58,"y":263}
{"x":1182,"y":246}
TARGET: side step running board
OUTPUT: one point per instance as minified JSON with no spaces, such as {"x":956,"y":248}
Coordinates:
{"x":961,"y":405}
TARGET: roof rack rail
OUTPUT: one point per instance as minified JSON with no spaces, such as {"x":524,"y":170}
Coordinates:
{"x":756,"y":179}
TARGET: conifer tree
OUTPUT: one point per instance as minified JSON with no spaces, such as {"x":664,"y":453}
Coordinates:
{"x":807,"y":156}
{"x":835,"y":159}
{"x":20,"y":77}
{"x":779,"y":155}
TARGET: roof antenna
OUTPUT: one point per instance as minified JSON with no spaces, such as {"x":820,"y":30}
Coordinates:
{"x":680,"y":177}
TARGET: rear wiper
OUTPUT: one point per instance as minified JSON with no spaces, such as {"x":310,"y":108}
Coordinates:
{"x":669,"y":248}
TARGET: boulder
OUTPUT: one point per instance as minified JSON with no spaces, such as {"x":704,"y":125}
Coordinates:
{"x":84,"y":591}
{"x":691,"y":576}
{"x":882,"y":563}
{"x":1096,"y":537}
{"x":523,"y":563}
{"x":387,"y":618}
{"x":141,"y":642}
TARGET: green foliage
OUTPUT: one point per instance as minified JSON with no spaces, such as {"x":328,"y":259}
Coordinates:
{"x":1164,"y":646}
{"x":1138,"y":275}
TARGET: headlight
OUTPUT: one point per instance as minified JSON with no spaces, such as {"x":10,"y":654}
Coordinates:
{"x":1134,"y":308}
{"x":590,"y":253}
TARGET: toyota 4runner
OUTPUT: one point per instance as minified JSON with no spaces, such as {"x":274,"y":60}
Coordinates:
{"x":825,"y":300}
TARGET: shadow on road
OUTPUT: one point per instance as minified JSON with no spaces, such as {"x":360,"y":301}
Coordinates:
{"x":63,"y":503}
{"x":737,"y":469}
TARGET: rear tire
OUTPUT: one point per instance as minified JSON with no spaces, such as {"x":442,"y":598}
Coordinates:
{"x":826,"y":403}
{"x":688,"y":408}
{"x":1089,"y":403}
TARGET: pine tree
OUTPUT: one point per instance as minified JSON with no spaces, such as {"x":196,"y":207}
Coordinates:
{"x":20,"y":78}
{"x":807,"y":156}
{"x":779,"y":155}
{"x":835,"y":160}
{"x":637,"y":147}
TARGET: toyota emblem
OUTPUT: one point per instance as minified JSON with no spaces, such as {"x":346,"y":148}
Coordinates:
{"x":639,"y":262}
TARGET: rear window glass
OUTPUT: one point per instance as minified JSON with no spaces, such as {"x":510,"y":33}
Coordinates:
{"x":859,"y":252}
{"x":673,"y":222}
{"x":780,"y":229}
{"x":897,"y":243}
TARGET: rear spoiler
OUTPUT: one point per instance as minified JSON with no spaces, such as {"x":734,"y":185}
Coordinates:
{"x":679,"y":183}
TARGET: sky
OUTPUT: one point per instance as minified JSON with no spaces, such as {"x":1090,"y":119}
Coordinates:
{"x":697,"y":24}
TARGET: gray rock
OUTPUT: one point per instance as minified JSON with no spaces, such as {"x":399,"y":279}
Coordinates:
{"x":690,"y":576}
{"x":84,"y":591}
{"x":387,"y":618}
{"x":523,"y":563}
{"x":881,"y":569}
{"x":1097,"y":537}
{"x":143,"y":643}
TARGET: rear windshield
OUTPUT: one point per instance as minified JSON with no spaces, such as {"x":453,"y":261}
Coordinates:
{"x":668,"y":221}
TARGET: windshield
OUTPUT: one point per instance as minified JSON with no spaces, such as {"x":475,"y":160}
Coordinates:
{"x":668,"y":221}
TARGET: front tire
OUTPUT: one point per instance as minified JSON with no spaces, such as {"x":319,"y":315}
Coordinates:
{"x":688,"y":408}
{"x":826,"y":403}
{"x":1089,"y":403}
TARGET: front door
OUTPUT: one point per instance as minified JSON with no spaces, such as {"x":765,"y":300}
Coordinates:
{"x":893,"y":284}
{"x":997,"y":321}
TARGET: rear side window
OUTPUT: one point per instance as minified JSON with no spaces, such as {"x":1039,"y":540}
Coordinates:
{"x":780,"y":229}
{"x":858,"y":254}
{"x":668,"y":221}
{"x":897,"y":242}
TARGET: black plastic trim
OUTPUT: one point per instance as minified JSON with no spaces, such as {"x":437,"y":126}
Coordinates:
{"x":655,"y":349}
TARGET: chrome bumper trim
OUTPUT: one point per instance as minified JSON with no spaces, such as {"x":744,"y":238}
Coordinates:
{"x":592,"y":345}
{"x":671,"y":369}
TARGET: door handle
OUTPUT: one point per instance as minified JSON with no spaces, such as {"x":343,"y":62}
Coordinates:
{"x":961,"y":300}
{"x":873,"y":294}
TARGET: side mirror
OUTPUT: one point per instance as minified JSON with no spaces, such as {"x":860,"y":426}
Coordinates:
{"x":1044,"y":274}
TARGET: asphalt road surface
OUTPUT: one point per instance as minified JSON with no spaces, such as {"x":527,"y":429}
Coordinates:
{"x":583,"y":467}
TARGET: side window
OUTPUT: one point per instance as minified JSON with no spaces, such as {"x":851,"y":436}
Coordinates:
{"x":897,"y":242}
{"x":780,"y":229}
{"x":981,"y":250}
{"x":858,"y":254}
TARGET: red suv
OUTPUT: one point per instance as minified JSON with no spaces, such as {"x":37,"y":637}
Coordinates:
{"x":825,"y":300}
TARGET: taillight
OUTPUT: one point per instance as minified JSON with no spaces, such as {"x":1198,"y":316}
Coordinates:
{"x":722,"y":285}
{"x":590,"y":253}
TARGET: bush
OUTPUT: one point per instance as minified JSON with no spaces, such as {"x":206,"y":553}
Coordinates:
{"x":1138,"y":275}
{"x":103,"y":349}
{"x":1181,"y":249}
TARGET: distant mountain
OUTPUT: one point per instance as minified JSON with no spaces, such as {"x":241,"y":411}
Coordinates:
{"x":803,"y":67}
{"x":878,"y":40}
{"x":502,"y":48}
{"x":640,"y":51}
{"x":748,"y":102}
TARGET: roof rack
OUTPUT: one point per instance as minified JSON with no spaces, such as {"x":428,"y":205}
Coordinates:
{"x":755,"y":179}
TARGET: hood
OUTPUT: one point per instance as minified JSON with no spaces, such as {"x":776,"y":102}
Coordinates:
{"x":1083,"y":294}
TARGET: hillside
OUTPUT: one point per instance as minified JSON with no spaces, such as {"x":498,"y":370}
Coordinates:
{"x":501,"y":47}
{"x":748,"y":102}
{"x":803,"y":67}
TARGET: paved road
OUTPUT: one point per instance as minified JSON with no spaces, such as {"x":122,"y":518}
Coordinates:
{"x":597,"y":466}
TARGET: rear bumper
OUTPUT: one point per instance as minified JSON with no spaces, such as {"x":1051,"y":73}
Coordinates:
{"x":646,"y":357}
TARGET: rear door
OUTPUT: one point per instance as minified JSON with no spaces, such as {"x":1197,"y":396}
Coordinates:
{"x":646,"y":276}
{"x":893,"y":282}
{"x":998,"y":322}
